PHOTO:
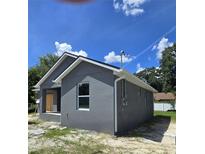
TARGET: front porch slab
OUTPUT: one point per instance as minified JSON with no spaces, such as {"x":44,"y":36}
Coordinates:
{"x":56,"y":117}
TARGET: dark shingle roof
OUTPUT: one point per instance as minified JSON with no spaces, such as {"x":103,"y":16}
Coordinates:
{"x":101,"y":62}
{"x":92,"y":60}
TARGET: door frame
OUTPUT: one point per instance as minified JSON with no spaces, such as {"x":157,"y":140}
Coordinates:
{"x":49,"y":102}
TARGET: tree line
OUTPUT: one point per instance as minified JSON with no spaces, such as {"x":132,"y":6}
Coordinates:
{"x":162,"y":78}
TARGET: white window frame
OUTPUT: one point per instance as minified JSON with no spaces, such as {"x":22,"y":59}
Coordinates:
{"x":81,"y":96}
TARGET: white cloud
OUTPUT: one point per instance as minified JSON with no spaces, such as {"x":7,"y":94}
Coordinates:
{"x":112,"y":58}
{"x":157,"y":67}
{"x":129,"y":7}
{"x":154,"y":47}
{"x":139,"y":68}
{"x":164,"y":43}
{"x":79,"y":53}
{"x":64,"y":47}
{"x":116,"y":5}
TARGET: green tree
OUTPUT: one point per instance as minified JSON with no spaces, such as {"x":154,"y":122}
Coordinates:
{"x":168,"y":69}
{"x":45,"y":63}
{"x":152,"y":76}
{"x":33,"y":78}
{"x":163,"y":78}
{"x":35,"y":73}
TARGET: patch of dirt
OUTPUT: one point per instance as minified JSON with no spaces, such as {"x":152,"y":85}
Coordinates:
{"x":157,"y":137}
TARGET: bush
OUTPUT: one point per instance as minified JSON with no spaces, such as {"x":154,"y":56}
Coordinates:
{"x":32,"y":108}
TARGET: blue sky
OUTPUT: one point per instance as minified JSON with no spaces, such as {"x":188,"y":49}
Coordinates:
{"x":101,"y":26}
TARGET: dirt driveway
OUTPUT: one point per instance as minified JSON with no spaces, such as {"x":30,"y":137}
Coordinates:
{"x":157,"y":136}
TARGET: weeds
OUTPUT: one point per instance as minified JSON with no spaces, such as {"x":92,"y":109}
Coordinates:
{"x":52,"y":133}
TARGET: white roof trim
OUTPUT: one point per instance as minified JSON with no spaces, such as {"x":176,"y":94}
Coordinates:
{"x":135,"y":80}
{"x":100,"y":64}
{"x":119,"y":72}
{"x":36,"y":90}
{"x":53,"y":68}
{"x":68,"y":70}
{"x":78,"y":61}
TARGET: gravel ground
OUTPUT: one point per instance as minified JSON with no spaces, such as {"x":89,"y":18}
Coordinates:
{"x":156,"y":137}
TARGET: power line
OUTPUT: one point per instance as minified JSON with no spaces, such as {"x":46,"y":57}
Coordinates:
{"x":152,"y":44}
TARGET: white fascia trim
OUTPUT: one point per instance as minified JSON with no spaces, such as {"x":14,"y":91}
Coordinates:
{"x":53,"y":68}
{"x":35,"y":89}
{"x":135,"y":80}
{"x":78,"y":61}
{"x":68,"y":70}
{"x":99,"y":64}
{"x":71,"y":55}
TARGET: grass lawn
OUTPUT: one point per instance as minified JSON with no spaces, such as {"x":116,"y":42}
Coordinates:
{"x":75,"y":148}
{"x":170,"y":114}
{"x":52,"y":133}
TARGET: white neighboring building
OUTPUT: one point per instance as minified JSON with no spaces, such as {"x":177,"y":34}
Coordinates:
{"x":164,"y":101}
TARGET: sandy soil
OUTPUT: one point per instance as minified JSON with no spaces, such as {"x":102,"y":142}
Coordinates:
{"x":156,"y":137}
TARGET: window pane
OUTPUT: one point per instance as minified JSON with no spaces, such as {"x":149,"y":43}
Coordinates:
{"x":84,"y":89}
{"x":83,"y":102}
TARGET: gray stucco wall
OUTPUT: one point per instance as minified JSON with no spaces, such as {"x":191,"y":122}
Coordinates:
{"x":47,"y":84}
{"x":101,"y":115}
{"x":137,"y":109}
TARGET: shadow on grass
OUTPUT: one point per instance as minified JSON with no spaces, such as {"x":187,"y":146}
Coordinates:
{"x":34,"y":122}
{"x":152,"y":130}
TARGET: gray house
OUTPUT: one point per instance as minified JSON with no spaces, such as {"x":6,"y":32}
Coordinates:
{"x":80,"y":92}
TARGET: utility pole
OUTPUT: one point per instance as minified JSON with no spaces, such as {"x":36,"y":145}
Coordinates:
{"x":122,"y":53}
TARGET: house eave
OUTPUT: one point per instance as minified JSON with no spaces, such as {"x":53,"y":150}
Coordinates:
{"x":76,"y":63}
{"x":36,"y":89}
{"x":53,"y":68}
{"x":116,"y":71}
{"x":135,"y":80}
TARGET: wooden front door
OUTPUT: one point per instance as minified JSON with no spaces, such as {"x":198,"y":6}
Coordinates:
{"x":49,"y":102}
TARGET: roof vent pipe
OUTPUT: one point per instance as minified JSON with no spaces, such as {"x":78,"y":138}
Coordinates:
{"x":122,"y":53}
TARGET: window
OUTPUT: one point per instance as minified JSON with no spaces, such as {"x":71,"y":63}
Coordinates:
{"x":83,"y":96}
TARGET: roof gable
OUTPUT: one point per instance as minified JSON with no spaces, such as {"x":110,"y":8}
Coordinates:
{"x":116,"y":71}
{"x":78,"y":61}
{"x":135,"y":80}
{"x":59,"y":61}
